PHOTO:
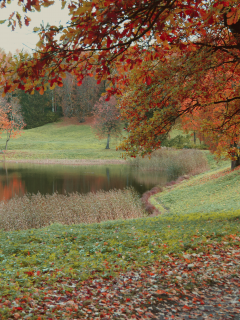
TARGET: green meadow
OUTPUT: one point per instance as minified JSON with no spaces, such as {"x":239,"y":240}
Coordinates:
{"x":56,"y":141}
{"x":53,"y":141}
{"x":217,"y":190}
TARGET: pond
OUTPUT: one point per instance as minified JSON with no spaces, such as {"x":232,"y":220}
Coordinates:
{"x":21,"y":178}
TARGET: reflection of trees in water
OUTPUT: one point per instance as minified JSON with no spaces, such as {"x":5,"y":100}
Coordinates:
{"x":8,"y":189}
{"x":16,"y":180}
{"x":91,"y":183}
{"x":150,"y":178}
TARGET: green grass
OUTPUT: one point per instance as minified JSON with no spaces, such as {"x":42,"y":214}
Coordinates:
{"x":175,"y":132}
{"x":79,"y":251}
{"x":54,"y":142}
{"x":216,"y":190}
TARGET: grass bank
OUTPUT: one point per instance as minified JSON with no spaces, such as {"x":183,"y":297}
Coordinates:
{"x":64,"y":141}
{"x":216,"y":190}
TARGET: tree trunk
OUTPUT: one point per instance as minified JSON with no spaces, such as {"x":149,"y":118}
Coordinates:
{"x":108,"y":139}
{"x":6,"y":144}
{"x":52,"y":102}
{"x":8,"y":138}
{"x":235,"y":163}
{"x":194,"y":137}
{"x":82,"y":117}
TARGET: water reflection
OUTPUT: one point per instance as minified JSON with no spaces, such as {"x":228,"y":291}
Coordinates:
{"x":19,"y":178}
{"x":10,"y":184}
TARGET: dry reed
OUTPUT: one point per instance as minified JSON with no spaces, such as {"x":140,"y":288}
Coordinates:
{"x":174,"y":162}
{"x":37,"y":211}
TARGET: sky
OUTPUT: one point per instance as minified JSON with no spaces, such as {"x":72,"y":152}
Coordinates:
{"x":25,"y":38}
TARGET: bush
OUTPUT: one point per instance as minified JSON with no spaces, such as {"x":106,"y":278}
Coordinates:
{"x":180,"y":142}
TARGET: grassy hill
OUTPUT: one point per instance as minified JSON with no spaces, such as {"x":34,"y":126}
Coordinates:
{"x":56,"y":141}
{"x":65,"y":140}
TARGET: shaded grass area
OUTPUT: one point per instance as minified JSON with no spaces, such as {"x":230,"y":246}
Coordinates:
{"x":54,"y":142}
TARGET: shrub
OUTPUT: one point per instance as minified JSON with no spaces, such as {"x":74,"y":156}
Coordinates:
{"x":180,"y":142}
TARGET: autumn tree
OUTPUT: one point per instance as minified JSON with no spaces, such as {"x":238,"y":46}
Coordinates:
{"x":164,"y":50}
{"x":78,"y":101}
{"x":106,"y":119}
{"x":181,"y":87}
{"x":11,"y":120}
{"x":224,"y":143}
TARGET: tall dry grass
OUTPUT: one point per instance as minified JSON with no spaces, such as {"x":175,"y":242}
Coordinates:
{"x":174,"y":162}
{"x":37,"y":211}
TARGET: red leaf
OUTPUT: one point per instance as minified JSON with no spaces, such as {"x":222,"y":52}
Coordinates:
{"x":148,"y":80}
{"x":20,"y":86}
{"x":210,"y":21}
{"x":187,"y":307}
{"x":26,"y":21}
{"x":226,"y":4}
{"x":163,"y":36}
{"x":162,"y":292}
{"x":109,"y":41}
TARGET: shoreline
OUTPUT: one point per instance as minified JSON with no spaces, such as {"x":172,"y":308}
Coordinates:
{"x":75,"y":162}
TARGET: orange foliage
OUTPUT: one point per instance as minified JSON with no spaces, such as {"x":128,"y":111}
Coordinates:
{"x":9,"y":190}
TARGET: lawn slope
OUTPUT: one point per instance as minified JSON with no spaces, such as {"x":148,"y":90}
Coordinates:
{"x":53,"y":141}
{"x":216,"y":190}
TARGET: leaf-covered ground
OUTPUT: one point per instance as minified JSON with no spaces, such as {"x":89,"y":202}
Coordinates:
{"x":43,"y":271}
{"x":201,"y":285}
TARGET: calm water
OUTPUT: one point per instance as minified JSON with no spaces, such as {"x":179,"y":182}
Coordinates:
{"x":18,"y":179}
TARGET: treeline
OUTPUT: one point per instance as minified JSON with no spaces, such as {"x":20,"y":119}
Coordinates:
{"x":70,"y":100}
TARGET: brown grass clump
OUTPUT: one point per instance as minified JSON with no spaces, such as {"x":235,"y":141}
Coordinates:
{"x":174,"y":162}
{"x":37,"y":211}
{"x":66,"y":121}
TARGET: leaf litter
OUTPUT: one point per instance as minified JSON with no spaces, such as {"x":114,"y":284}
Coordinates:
{"x":200,"y":285}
